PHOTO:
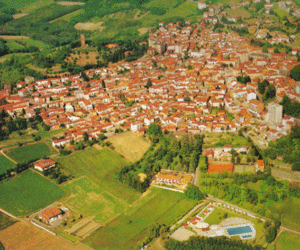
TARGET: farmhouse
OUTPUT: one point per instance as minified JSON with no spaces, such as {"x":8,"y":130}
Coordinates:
{"x":50,"y":214}
{"x":44,"y":164}
{"x":220,"y":167}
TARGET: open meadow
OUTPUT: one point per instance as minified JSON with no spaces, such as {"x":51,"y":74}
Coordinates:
{"x":30,"y":152}
{"x":131,"y":146}
{"x":5,"y":164}
{"x":157,"y":206}
{"x":27,"y":193}
{"x":101,"y":167}
{"x":287,"y":240}
{"x":5,"y":221}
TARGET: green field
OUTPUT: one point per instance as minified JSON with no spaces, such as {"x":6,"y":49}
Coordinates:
{"x":217,"y":216}
{"x":221,"y":139}
{"x":35,"y":43}
{"x":12,"y":45}
{"x":31,"y":152}
{"x":100,"y":167}
{"x":287,"y":240}
{"x":6,"y":221}
{"x":20,"y":4}
{"x":27,"y":193}
{"x":238,"y":12}
{"x":27,"y":137}
{"x":5,"y":164}
{"x":93,"y":201}
{"x":290,"y":212}
{"x":159,"y":206}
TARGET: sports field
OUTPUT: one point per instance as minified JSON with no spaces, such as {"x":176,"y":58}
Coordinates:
{"x":27,"y":193}
{"x":130,"y":145}
{"x":90,"y":199}
{"x":30,"y":152}
{"x":157,"y":206}
{"x":101,"y":167}
{"x":5,"y":221}
{"x":5,"y":164}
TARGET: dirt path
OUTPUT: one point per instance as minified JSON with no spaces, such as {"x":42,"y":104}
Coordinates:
{"x":70,"y":3}
{"x":9,"y":214}
{"x":14,"y":37}
{"x":8,"y":157}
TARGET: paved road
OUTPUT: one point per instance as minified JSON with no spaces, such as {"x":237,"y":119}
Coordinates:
{"x":187,"y":215}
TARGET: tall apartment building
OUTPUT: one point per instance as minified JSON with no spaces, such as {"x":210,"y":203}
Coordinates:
{"x":274,"y":113}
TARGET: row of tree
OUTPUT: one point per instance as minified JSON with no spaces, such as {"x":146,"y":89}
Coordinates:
{"x":209,"y":243}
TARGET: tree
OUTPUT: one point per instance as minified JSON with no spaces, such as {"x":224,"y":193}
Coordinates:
{"x":149,"y":83}
{"x":84,"y":76}
{"x":193,"y":192}
{"x":295,"y":73}
{"x":154,"y":129}
{"x":102,"y":137}
{"x":85,"y":136}
{"x":271,"y":234}
{"x":103,"y":84}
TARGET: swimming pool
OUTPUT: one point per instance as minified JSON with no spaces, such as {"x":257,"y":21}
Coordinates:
{"x":239,"y":230}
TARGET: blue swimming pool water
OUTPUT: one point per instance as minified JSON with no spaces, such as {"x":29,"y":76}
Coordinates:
{"x":246,"y":236}
{"x":239,"y":230}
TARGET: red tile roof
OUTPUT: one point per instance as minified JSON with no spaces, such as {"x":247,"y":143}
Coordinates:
{"x":223,"y":167}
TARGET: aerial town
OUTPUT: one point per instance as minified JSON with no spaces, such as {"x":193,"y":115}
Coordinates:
{"x":197,"y":139}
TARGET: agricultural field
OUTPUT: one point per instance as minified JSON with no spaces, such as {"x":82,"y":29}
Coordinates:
{"x":287,"y":240}
{"x":244,"y":168}
{"x":238,"y":12}
{"x":221,"y":139}
{"x":83,"y":57}
{"x":30,"y":152}
{"x":101,"y":167}
{"x":27,"y":137}
{"x":5,"y":164}
{"x":24,"y":3}
{"x":30,"y":237}
{"x":5,"y":221}
{"x":157,"y":206}
{"x":27,"y":193}
{"x":131,"y":146}
{"x":90,"y":199}
{"x":12,"y":45}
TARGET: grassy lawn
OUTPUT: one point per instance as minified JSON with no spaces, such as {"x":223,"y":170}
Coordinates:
{"x":130,"y":145}
{"x":287,"y":240}
{"x":100,"y":167}
{"x":217,"y":216}
{"x":12,"y":45}
{"x":28,"y":193}
{"x":221,"y":139}
{"x":36,"y":43}
{"x":30,"y":152}
{"x":238,"y":12}
{"x":5,"y":221}
{"x":5,"y":164}
{"x":159,"y":206}
{"x":92,"y":201}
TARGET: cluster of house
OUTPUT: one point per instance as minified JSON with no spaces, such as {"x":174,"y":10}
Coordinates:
{"x":186,"y":95}
{"x":173,"y":179}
